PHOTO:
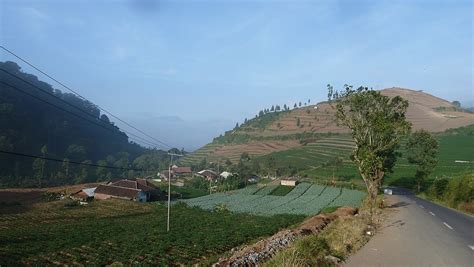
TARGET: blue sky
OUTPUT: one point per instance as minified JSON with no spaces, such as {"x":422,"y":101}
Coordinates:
{"x":185,"y":71}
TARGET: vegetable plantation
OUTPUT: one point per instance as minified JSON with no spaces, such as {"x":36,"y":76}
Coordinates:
{"x":304,"y":199}
{"x":126,"y":232}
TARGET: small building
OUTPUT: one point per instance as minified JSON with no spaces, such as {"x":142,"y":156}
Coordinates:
{"x":226,"y":174}
{"x":181,"y":171}
{"x":289,"y":182}
{"x":165,"y":175}
{"x":86,"y":194}
{"x":208,"y":174}
{"x":138,"y":190}
{"x":109,"y":191}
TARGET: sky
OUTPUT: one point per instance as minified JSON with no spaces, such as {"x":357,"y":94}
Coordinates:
{"x":186,"y":71}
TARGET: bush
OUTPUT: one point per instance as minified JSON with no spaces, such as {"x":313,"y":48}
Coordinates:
{"x":51,"y":196}
{"x":308,"y":251}
{"x":221,"y":207}
{"x":71,"y":203}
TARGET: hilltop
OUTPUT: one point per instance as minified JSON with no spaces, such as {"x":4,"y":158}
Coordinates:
{"x":290,"y":129}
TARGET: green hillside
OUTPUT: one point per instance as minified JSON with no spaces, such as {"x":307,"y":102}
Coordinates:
{"x":314,"y":160}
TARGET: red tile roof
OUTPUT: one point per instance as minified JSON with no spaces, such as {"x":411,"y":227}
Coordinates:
{"x":141,"y":184}
{"x":117,"y":191}
{"x":182,"y":170}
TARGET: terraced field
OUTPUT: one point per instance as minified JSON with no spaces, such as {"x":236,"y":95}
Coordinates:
{"x":314,"y":159}
{"x":305,"y":199}
{"x":214,"y":152}
{"x":314,"y":155}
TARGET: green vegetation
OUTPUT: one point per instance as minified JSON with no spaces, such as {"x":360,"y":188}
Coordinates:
{"x":422,"y":150}
{"x":314,"y":159}
{"x":70,"y":129}
{"x":377,"y":124}
{"x":456,"y":192}
{"x":105,"y":232}
{"x":307,"y":251}
{"x":304,"y":199}
{"x":282,"y":190}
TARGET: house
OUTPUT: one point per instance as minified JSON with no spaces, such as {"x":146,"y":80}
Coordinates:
{"x":208,"y":174}
{"x":289,"y":181}
{"x":226,"y":174}
{"x":165,"y":175}
{"x":180,"y":171}
{"x":138,"y":190}
{"x":86,"y":194}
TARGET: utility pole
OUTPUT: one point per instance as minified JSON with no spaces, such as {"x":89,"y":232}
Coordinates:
{"x":169,"y":188}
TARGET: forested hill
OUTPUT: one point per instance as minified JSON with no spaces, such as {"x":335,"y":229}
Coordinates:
{"x":37,"y":119}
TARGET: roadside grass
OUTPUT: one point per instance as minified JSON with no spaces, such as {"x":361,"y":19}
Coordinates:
{"x":126,"y":232}
{"x":456,"y":192}
{"x":334,"y":244}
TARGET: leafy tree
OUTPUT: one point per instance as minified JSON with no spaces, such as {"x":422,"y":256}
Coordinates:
{"x":236,"y":126}
{"x":422,"y":150}
{"x":376,"y":123}
{"x":245,"y":156}
{"x":271,"y":164}
{"x":203,"y":164}
{"x":285,"y":107}
{"x":299,"y":104}
{"x":309,"y":100}
{"x":256,"y":167}
{"x":456,"y":103}
{"x":336,"y":163}
{"x":295,"y":106}
{"x":261,"y":113}
{"x":272,"y":108}
{"x":277,"y":108}
{"x":298,"y":122}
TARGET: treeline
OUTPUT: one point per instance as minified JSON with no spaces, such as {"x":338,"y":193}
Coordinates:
{"x":267,"y":115}
{"x":456,"y":192}
{"x":36,"y":119}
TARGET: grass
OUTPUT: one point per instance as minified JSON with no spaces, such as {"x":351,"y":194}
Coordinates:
{"x":341,"y":238}
{"x":282,"y":190}
{"x":131,"y":233}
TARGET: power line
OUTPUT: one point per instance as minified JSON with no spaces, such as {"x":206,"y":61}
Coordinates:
{"x":72,"y":113}
{"x":74,"y":106}
{"x":72,"y":162}
{"x":76,"y":93}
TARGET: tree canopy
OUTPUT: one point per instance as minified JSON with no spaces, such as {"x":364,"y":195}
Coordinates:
{"x":376,"y":123}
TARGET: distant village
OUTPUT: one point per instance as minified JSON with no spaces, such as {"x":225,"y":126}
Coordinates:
{"x":148,"y":189}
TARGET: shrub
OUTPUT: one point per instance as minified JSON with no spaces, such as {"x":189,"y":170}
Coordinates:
{"x":71,"y":203}
{"x":221,"y":207}
{"x":51,"y":196}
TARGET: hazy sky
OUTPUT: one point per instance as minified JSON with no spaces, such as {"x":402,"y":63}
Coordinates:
{"x":185,"y":71}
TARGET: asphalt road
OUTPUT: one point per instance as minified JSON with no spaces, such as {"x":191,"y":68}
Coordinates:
{"x":419,"y":233}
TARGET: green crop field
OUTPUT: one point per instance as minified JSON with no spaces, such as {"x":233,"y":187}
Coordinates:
{"x":304,"y":199}
{"x":313,"y":160}
{"x":131,"y":233}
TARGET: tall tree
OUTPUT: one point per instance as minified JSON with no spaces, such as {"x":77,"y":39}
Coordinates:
{"x":377,"y":124}
{"x":422,"y":150}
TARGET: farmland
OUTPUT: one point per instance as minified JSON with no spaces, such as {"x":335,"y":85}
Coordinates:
{"x":305,"y":199}
{"x":104,"y":232}
{"x":313,"y":160}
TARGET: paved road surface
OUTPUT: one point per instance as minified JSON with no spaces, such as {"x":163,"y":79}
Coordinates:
{"x":419,"y":233}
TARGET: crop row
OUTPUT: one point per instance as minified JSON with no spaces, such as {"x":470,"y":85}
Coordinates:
{"x":304,"y":199}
